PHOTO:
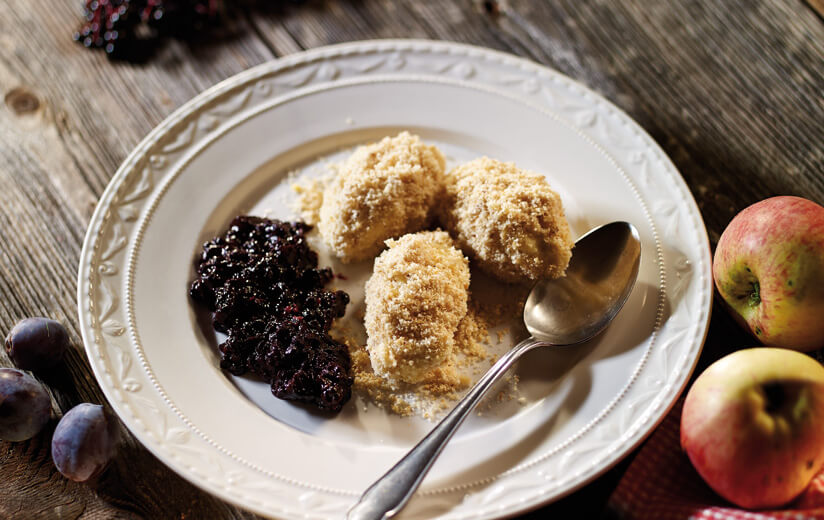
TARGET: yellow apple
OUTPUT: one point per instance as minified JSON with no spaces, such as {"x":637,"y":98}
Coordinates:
{"x":753,"y":425}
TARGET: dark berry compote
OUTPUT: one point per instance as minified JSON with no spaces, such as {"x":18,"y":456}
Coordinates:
{"x":261,"y":282}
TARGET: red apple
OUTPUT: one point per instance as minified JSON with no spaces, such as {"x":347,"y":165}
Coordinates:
{"x":753,"y":425}
{"x":769,"y":269}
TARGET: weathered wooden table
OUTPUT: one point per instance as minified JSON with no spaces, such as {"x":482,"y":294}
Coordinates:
{"x":733,"y":90}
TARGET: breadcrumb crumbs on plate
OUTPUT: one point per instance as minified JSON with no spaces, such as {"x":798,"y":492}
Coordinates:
{"x":309,"y":199}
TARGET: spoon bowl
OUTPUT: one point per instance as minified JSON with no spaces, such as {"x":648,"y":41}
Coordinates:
{"x":598,"y":281}
{"x":562,"y":311}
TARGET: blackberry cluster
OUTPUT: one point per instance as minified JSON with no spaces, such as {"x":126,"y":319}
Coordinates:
{"x":261,"y":282}
{"x":128,"y":28}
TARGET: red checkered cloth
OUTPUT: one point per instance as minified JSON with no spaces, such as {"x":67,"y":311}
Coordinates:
{"x":662,"y":484}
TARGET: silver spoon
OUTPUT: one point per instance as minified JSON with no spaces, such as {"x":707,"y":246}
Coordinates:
{"x":563,"y":311}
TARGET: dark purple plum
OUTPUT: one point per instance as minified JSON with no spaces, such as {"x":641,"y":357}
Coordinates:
{"x":37,"y":343}
{"x":25,"y":406}
{"x":84,"y":442}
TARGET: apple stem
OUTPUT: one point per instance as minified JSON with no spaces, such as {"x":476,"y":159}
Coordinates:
{"x":755,"y":295}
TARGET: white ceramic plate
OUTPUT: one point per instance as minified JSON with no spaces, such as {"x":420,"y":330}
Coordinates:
{"x":229,"y":150}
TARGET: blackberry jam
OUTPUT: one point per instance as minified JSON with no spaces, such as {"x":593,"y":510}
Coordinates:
{"x":261,"y":282}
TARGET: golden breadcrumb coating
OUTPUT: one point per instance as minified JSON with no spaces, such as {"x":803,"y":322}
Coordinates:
{"x":415,"y":299}
{"x":509,"y":220}
{"x":383,"y":190}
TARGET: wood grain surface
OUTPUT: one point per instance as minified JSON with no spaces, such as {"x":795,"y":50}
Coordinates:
{"x":731,"y":89}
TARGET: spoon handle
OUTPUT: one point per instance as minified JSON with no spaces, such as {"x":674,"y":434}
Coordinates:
{"x":386,"y":497}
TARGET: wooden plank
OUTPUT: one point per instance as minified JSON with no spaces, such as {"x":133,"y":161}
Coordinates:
{"x":69,"y":118}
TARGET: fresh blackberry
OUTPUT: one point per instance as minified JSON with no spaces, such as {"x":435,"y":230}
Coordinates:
{"x":182,"y":18}
{"x":130,"y":29}
{"x":106,"y":22}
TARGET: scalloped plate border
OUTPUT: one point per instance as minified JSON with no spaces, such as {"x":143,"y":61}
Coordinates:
{"x":133,"y":393}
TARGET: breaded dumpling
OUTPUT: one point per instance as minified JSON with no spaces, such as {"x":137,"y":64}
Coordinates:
{"x":415,"y":299}
{"x":509,"y":220}
{"x":383,"y":190}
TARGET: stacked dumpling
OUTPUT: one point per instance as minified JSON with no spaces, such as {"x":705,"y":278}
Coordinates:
{"x":384,"y":190}
{"x":509,"y":220}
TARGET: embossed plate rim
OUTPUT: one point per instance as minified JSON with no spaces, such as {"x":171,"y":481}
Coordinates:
{"x":127,"y":187}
